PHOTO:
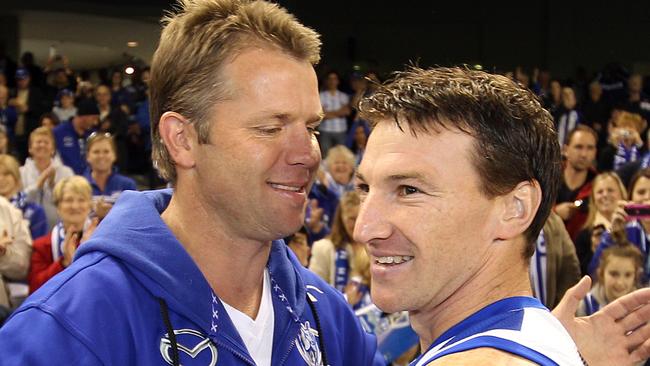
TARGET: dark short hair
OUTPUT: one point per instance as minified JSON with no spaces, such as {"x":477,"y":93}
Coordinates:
{"x":581,"y":128}
{"x":515,"y":140}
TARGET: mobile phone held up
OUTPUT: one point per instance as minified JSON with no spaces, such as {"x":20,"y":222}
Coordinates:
{"x":637,"y":211}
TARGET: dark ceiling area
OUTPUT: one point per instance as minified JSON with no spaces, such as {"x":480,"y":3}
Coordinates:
{"x":551,"y":34}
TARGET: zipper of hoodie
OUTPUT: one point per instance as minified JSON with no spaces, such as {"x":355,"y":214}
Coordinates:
{"x":234,"y":351}
{"x":286,"y":356}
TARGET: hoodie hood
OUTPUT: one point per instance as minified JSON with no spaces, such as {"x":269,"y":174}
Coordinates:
{"x":134,"y":233}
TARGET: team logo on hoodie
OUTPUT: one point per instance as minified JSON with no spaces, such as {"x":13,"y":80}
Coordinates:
{"x":191,"y":342}
{"x":308,"y":346}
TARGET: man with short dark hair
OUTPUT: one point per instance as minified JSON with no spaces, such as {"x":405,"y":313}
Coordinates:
{"x":458,"y":178}
{"x":71,"y":136}
{"x":578,"y":172}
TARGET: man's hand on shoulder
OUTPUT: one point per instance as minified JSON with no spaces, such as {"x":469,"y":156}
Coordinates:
{"x":618,"y":334}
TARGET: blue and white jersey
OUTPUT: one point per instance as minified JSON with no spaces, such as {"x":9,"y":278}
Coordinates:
{"x":518,"y":325}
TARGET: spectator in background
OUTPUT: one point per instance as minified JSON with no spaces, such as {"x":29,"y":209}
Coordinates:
{"x":299,"y":245}
{"x":59,"y":75}
{"x":336,"y":105}
{"x":578,"y":172}
{"x":627,"y":229}
{"x":624,"y":141}
{"x":53,"y":253}
{"x":113,"y":120}
{"x":30,"y":104}
{"x":71,"y":136}
{"x":8,"y":113}
{"x":106,"y":183}
{"x":121,"y":97}
{"x":4,"y":141}
{"x":35,"y":71}
{"x":42,"y":171}
{"x":617,"y":276}
{"x":332,"y":257}
{"x":65,"y":109}
{"x":50,"y":120}
{"x":553,"y":100}
{"x":357,"y":139}
{"x":636,"y":101}
{"x":554,"y":267}
{"x":596,"y":112}
{"x":568,"y":116}
{"x":15,"y":251}
{"x":11,"y":189}
{"x":339,"y":168}
{"x":603,"y":200}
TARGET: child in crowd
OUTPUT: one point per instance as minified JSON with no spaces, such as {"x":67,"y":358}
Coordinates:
{"x":618,"y":275}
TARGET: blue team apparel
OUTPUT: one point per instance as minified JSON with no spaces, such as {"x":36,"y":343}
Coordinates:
{"x":115,"y":184}
{"x":134,"y":296}
{"x":521,"y":326}
{"x":71,"y":146}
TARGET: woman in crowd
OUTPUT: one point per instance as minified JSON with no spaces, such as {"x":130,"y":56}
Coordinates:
{"x":339,"y":168}
{"x":332,"y":257}
{"x":42,"y":170}
{"x":52,"y":253}
{"x":617,"y":276}
{"x":106,"y":183}
{"x":629,"y":229}
{"x":357,"y":138}
{"x":607,"y":190}
{"x":11,"y":189}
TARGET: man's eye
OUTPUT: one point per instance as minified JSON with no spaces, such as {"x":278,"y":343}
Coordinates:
{"x":362,"y":188}
{"x":269,"y":131}
{"x":407,"y":190}
{"x":313,"y":131}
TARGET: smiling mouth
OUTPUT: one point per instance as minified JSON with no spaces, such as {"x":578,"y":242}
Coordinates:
{"x":287,"y":188}
{"x":393,"y":260}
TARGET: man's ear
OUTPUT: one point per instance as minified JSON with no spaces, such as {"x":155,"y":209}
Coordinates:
{"x":177,"y":134}
{"x":519,"y":209}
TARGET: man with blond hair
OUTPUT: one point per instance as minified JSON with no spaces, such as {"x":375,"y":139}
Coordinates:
{"x":198,"y":276}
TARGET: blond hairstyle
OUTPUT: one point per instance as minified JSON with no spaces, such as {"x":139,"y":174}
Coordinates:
{"x":76,"y":184}
{"x":195,"y":44}
{"x":339,"y":235}
{"x":10,"y":165}
{"x":96,"y":137}
{"x":42,"y":131}
{"x":339,"y":151}
{"x":591,"y":216}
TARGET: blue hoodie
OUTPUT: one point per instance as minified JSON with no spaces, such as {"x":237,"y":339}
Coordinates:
{"x":133,"y":282}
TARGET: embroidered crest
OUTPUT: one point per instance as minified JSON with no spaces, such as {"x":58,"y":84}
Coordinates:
{"x":192,"y":343}
{"x":308,"y":346}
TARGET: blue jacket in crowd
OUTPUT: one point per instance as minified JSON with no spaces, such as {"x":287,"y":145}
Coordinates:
{"x":133,"y":282}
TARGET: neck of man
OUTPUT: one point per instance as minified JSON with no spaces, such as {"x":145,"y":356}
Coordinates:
{"x":496,"y":280}
{"x":574,"y":178}
{"x":635,"y":96}
{"x":232,"y":265}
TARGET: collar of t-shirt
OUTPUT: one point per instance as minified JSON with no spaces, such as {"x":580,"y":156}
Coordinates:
{"x":257,"y":333}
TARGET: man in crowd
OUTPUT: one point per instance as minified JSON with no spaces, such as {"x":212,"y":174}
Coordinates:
{"x":458,"y":178}
{"x":196,"y":276}
{"x":71,"y":136}
{"x":578,"y":172}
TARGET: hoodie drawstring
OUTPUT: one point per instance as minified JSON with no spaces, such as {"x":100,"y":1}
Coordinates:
{"x":170,"y":331}
{"x":164,"y":311}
